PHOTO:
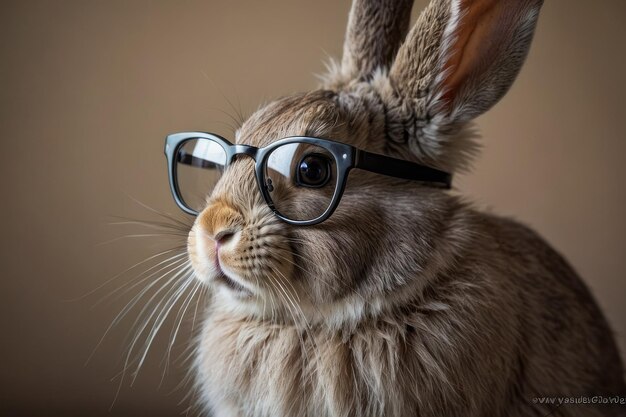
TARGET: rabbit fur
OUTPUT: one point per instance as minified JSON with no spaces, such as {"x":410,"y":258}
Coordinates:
{"x":407,"y":301}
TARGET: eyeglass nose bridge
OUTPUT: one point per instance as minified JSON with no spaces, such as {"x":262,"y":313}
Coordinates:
{"x":247,"y":150}
{"x":253,"y":152}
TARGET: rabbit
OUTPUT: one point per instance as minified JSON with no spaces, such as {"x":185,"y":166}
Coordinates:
{"x":406,"y":301}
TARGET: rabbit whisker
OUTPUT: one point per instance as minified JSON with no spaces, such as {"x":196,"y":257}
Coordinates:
{"x":173,"y":267}
{"x":141,"y":235}
{"x":181,"y":315}
{"x":116,"y":276}
{"x":167,"y":216}
{"x":122,"y":373}
{"x":172,"y":262}
{"x":177,"y":323}
{"x":151,"y":224}
{"x":127,"y":308}
{"x":160,"y":319}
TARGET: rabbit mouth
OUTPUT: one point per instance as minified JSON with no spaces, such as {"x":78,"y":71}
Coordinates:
{"x":231,"y":284}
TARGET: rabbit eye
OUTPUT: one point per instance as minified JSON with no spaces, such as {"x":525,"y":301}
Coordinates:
{"x":313,"y":171}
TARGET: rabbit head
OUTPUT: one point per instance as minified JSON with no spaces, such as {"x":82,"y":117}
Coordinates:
{"x":407,"y":95}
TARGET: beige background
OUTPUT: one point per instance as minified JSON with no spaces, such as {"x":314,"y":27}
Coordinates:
{"x":90,"y":88}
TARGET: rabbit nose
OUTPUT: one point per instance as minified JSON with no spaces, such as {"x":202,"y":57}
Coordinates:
{"x":221,"y":221}
{"x":224,"y":236}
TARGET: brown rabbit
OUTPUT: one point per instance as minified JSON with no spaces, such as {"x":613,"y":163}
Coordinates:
{"x":405,"y":301}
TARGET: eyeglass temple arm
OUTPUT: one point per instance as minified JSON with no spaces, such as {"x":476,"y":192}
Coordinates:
{"x":399,"y":168}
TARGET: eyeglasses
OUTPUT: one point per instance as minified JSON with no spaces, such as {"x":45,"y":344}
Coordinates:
{"x":300,"y":178}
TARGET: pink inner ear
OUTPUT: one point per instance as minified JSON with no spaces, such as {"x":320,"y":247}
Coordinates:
{"x":483,"y":27}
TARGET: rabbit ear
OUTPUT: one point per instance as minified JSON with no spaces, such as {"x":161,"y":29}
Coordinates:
{"x":459,"y":59}
{"x":375,"y":31}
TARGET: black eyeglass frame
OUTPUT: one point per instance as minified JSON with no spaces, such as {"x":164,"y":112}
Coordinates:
{"x":346,"y":157}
